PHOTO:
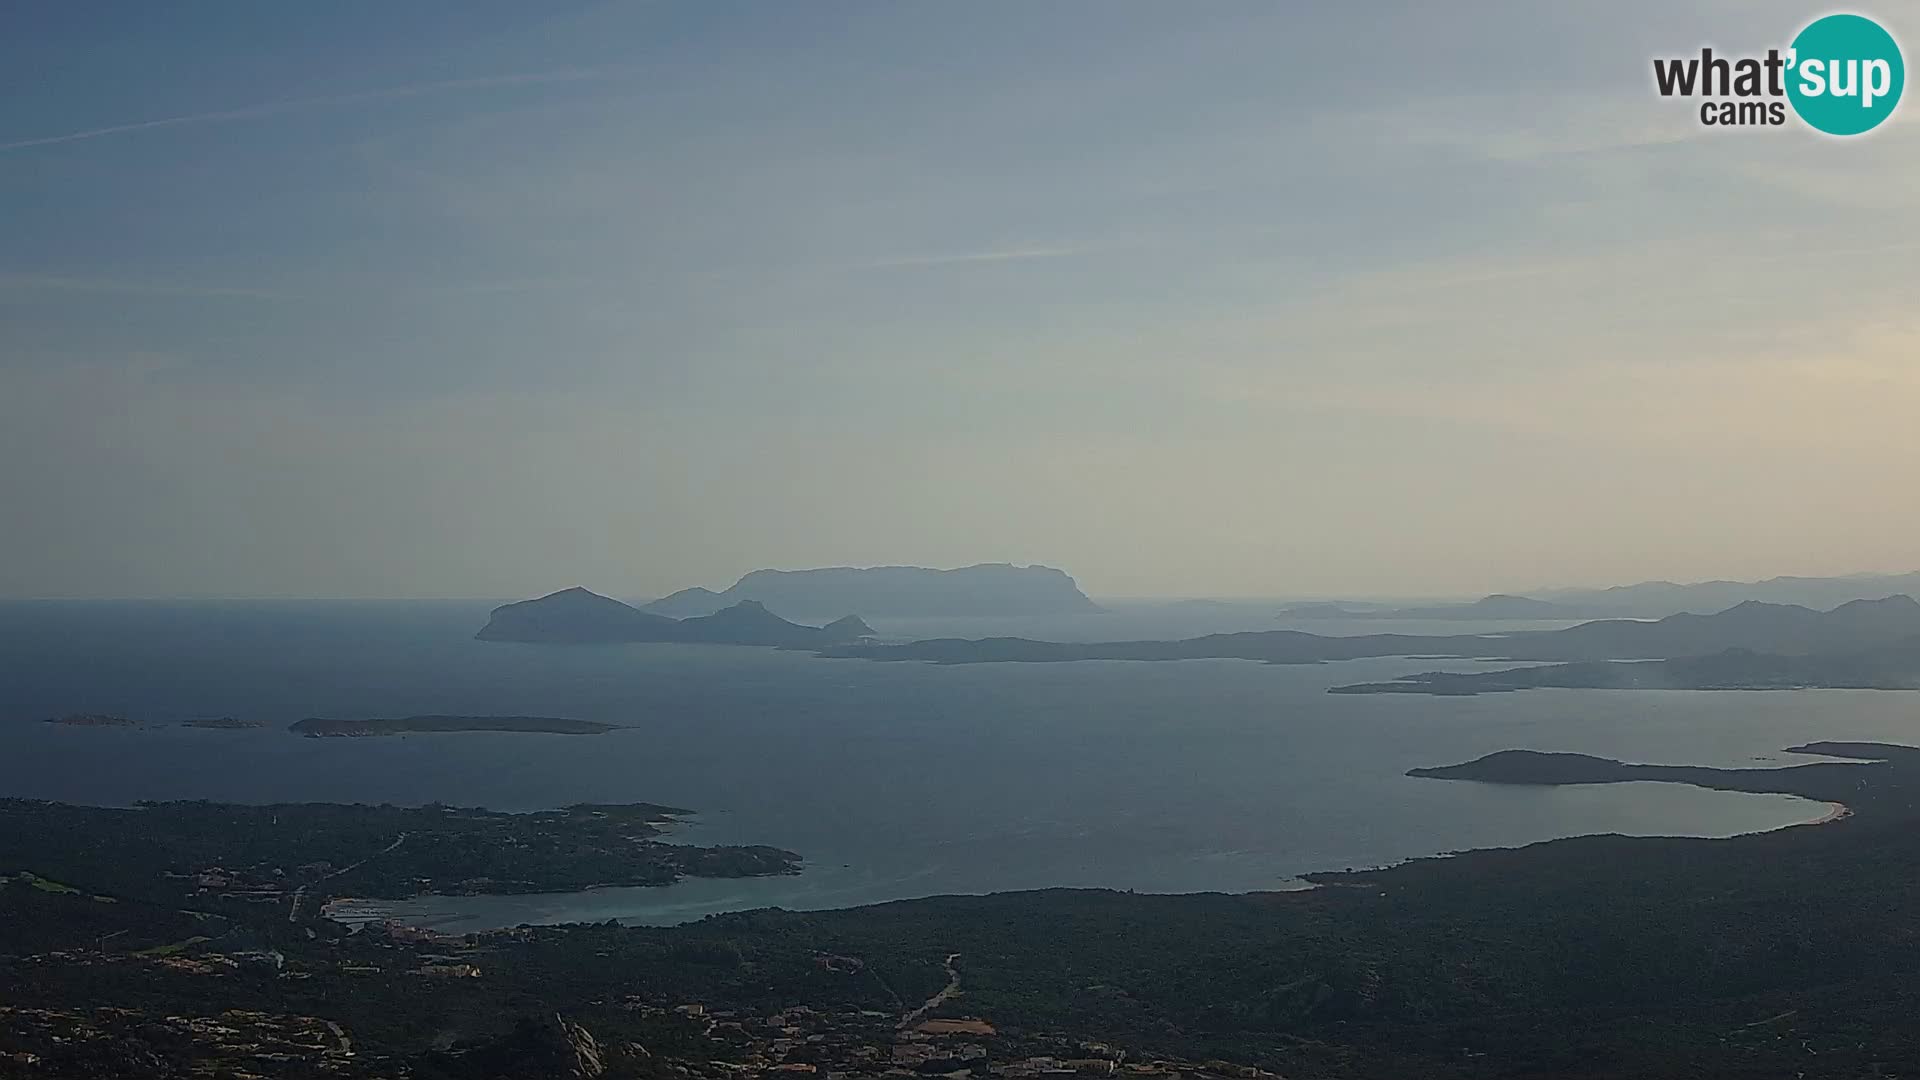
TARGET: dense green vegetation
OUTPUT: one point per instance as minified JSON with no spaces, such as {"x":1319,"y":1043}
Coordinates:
{"x":1783,"y":954}
{"x":238,"y":858}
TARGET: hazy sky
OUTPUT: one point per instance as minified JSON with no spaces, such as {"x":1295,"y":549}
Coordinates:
{"x":486,"y":299}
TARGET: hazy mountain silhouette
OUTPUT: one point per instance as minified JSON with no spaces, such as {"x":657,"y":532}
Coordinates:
{"x":1496,"y":606}
{"x":1651,"y":598}
{"x":1764,"y":628}
{"x":1863,"y":644}
{"x":576,"y":616}
{"x":1644,"y":600}
{"x":985,"y":589}
{"x":1752,"y":624}
{"x":687,"y":603}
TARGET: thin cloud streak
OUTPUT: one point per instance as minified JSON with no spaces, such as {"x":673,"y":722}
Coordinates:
{"x":139,"y":288}
{"x":275,"y":108}
{"x":970,"y":257}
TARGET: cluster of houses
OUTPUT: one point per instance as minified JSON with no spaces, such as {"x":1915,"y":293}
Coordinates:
{"x":848,"y":1044}
{"x":236,"y":1043}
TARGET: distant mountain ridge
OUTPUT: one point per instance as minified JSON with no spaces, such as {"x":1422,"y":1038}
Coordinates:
{"x":982,"y":589}
{"x":1763,"y":628}
{"x":1701,"y":597}
{"x":1493,"y":607}
{"x":578,"y":617}
{"x":1862,"y":644}
{"x":1644,"y":600}
{"x":1751,"y":624}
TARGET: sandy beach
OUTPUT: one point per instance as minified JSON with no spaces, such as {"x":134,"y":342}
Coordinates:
{"x":1835,"y":812}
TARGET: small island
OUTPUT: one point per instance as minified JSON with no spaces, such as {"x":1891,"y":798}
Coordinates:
{"x":316,"y":727}
{"x":92,"y":720}
{"x":225,"y":723}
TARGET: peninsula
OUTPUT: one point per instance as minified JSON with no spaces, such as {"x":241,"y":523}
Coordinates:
{"x":228,"y":857}
{"x":1893,"y":667}
{"x":1881,"y":781}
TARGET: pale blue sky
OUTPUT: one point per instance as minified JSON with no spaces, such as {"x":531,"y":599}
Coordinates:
{"x":483,"y":299}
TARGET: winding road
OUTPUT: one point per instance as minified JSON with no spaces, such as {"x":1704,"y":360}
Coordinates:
{"x":300,"y":893}
{"x":946,"y":994}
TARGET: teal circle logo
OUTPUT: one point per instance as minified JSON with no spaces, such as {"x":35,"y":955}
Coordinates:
{"x":1845,"y":74}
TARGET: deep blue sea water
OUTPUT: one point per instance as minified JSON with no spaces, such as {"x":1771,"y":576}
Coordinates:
{"x":893,"y":780}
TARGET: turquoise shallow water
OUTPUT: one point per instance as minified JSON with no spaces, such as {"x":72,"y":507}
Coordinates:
{"x":893,"y":780}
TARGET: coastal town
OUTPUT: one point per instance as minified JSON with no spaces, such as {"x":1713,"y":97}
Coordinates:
{"x":801,"y":1041}
{"x":205,"y":939}
{"x":223,"y":940}
{"x":691,"y":1039}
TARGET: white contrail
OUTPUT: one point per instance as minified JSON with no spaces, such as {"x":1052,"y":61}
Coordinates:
{"x":273,"y":108}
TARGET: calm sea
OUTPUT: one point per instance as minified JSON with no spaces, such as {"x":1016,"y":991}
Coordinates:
{"x":893,"y":780}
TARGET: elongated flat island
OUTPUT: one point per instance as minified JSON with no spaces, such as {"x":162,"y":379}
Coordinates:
{"x":1878,"y":781}
{"x":320,"y":727}
{"x":225,"y":723}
